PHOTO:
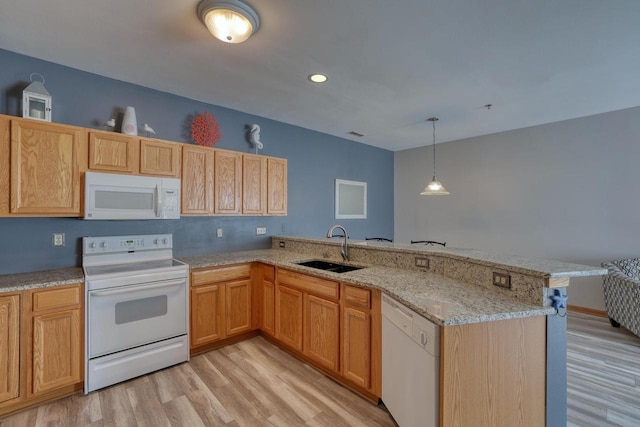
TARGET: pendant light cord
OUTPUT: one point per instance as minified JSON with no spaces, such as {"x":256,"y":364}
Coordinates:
{"x":433,"y":122}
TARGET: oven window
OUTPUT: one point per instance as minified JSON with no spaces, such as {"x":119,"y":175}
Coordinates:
{"x":139,"y":309}
{"x":123,"y":200}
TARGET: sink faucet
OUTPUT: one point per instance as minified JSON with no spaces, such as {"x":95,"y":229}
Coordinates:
{"x":344,"y":248}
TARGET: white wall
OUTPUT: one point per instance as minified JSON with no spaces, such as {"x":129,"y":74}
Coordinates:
{"x":568,"y":191}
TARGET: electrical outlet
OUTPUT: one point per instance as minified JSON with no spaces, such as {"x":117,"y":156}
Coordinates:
{"x":261,"y":230}
{"x":422,"y":262}
{"x":281,"y":244}
{"x":218,"y":232}
{"x":502,"y":280}
{"x":57,"y":239}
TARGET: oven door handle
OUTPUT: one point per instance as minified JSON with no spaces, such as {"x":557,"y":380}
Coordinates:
{"x":129,"y":289}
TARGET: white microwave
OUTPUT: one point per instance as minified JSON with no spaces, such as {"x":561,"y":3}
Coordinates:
{"x":117,"y":196}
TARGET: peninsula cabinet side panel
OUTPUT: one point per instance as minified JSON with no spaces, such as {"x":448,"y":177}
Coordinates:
{"x":9,"y":347}
{"x":493,"y":373}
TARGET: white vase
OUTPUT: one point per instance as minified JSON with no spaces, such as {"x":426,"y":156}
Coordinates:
{"x":129,"y":122}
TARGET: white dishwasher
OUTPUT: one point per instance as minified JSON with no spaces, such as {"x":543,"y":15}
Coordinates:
{"x":410,"y":365}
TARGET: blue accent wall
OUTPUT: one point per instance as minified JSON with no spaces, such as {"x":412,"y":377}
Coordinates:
{"x":315,"y":160}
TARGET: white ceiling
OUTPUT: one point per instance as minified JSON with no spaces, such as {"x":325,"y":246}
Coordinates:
{"x":391,"y":64}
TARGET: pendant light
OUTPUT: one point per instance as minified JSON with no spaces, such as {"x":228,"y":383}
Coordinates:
{"x":434,"y":187}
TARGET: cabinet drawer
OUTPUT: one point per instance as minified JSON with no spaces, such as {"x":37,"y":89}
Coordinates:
{"x":56,"y":298}
{"x":357,"y":297}
{"x":311,"y":284}
{"x":221,"y":274}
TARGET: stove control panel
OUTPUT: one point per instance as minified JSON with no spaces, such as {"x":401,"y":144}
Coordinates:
{"x":114,"y":244}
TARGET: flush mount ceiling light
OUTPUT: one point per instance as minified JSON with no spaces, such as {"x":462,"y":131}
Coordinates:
{"x":231,"y":21}
{"x":317,"y":78}
{"x":434,"y":187}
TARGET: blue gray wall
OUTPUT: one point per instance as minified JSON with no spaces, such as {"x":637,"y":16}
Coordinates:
{"x":315,"y":160}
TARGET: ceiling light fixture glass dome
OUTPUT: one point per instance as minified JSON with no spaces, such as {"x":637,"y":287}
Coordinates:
{"x":231,"y":21}
{"x":434,"y":187}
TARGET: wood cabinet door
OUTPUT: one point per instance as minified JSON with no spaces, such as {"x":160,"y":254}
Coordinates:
{"x":289,"y":316}
{"x":238,"y":296}
{"x":227,"y":182}
{"x":159,"y":158}
{"x":197,"y":180}
{"x":356,"y":358}
{"x":268,"y":307}
{"x":276,"y":186}
{"x":9,"y":347}
{"x":56,"y":350}
{"x":113,"y":152}
{"x":254,"y":184}
{"x":322,"y":331}
{"x":207,"y":314}
{"x":45,"y":168}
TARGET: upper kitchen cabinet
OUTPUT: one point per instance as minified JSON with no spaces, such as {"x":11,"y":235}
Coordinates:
{"x":197,"y":180}
{"x":227,"y":182}
{"x":254,"y":184}
{"x":114,"y":152}
{"x":41,"y":168}
{"x":160,"y":158}
{"x":276,"y":186}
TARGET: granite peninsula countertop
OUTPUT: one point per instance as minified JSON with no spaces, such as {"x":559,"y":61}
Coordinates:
{"x":440,"y":299}
{"x":515,"y":263}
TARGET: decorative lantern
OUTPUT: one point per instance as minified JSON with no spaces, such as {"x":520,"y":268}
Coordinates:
{"x":36,"y":100}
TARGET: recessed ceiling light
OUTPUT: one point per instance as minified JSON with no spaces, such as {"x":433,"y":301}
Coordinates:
{"x":318,"y":78}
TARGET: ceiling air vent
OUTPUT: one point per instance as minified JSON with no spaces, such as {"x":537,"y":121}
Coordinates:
{"x":354,"y":133}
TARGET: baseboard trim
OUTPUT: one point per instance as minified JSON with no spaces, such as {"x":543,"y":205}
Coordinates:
{"x":587,"y":310}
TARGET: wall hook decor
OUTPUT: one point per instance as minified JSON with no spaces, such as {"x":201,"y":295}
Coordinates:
{"x":253,"y":136}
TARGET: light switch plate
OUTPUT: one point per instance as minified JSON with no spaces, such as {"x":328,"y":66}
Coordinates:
{"x":219,"y":232}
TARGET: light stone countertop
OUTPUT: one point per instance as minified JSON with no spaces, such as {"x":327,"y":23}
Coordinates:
{"x":518,"y":264}
{"x":40,"y":279}
{"x":440,"y":299}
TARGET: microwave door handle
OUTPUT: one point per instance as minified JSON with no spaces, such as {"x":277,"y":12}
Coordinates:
{"x":128,"y":289}
{"x":158,"y":203}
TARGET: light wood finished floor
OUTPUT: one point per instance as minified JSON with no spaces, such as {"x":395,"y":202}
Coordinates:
{"x":603,"y":368}
{"x":251,"y":383}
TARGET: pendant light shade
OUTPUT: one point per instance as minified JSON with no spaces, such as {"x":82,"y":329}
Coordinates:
{"x":231,"y":21}
{"x":434,"y":187}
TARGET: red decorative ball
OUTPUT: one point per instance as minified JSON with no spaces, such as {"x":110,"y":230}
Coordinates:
{"x":205,"y":129}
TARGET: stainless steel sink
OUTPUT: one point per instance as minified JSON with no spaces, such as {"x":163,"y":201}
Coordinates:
{"x":328,"y":266}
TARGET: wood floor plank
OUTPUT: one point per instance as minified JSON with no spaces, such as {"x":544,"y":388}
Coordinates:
{"x":147,"y":408}
{"x":181,"y":413}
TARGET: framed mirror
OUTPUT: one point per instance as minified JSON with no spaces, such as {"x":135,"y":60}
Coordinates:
{"x":351,"y":199}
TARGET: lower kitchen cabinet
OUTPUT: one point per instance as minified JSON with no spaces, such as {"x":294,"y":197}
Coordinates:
{"x":56,"y":339}
{"x":220,"y":304}
{"x":362,"y":338}
{"x":289,"y":316}
{"x":238,"y":307}
{"x":322,"y":331}
{"x":356,"y":355}
{"x":41,"y":345}
{"x":268,"y":299}
{"x":9,"y":347}
{"x":207,"y":308}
